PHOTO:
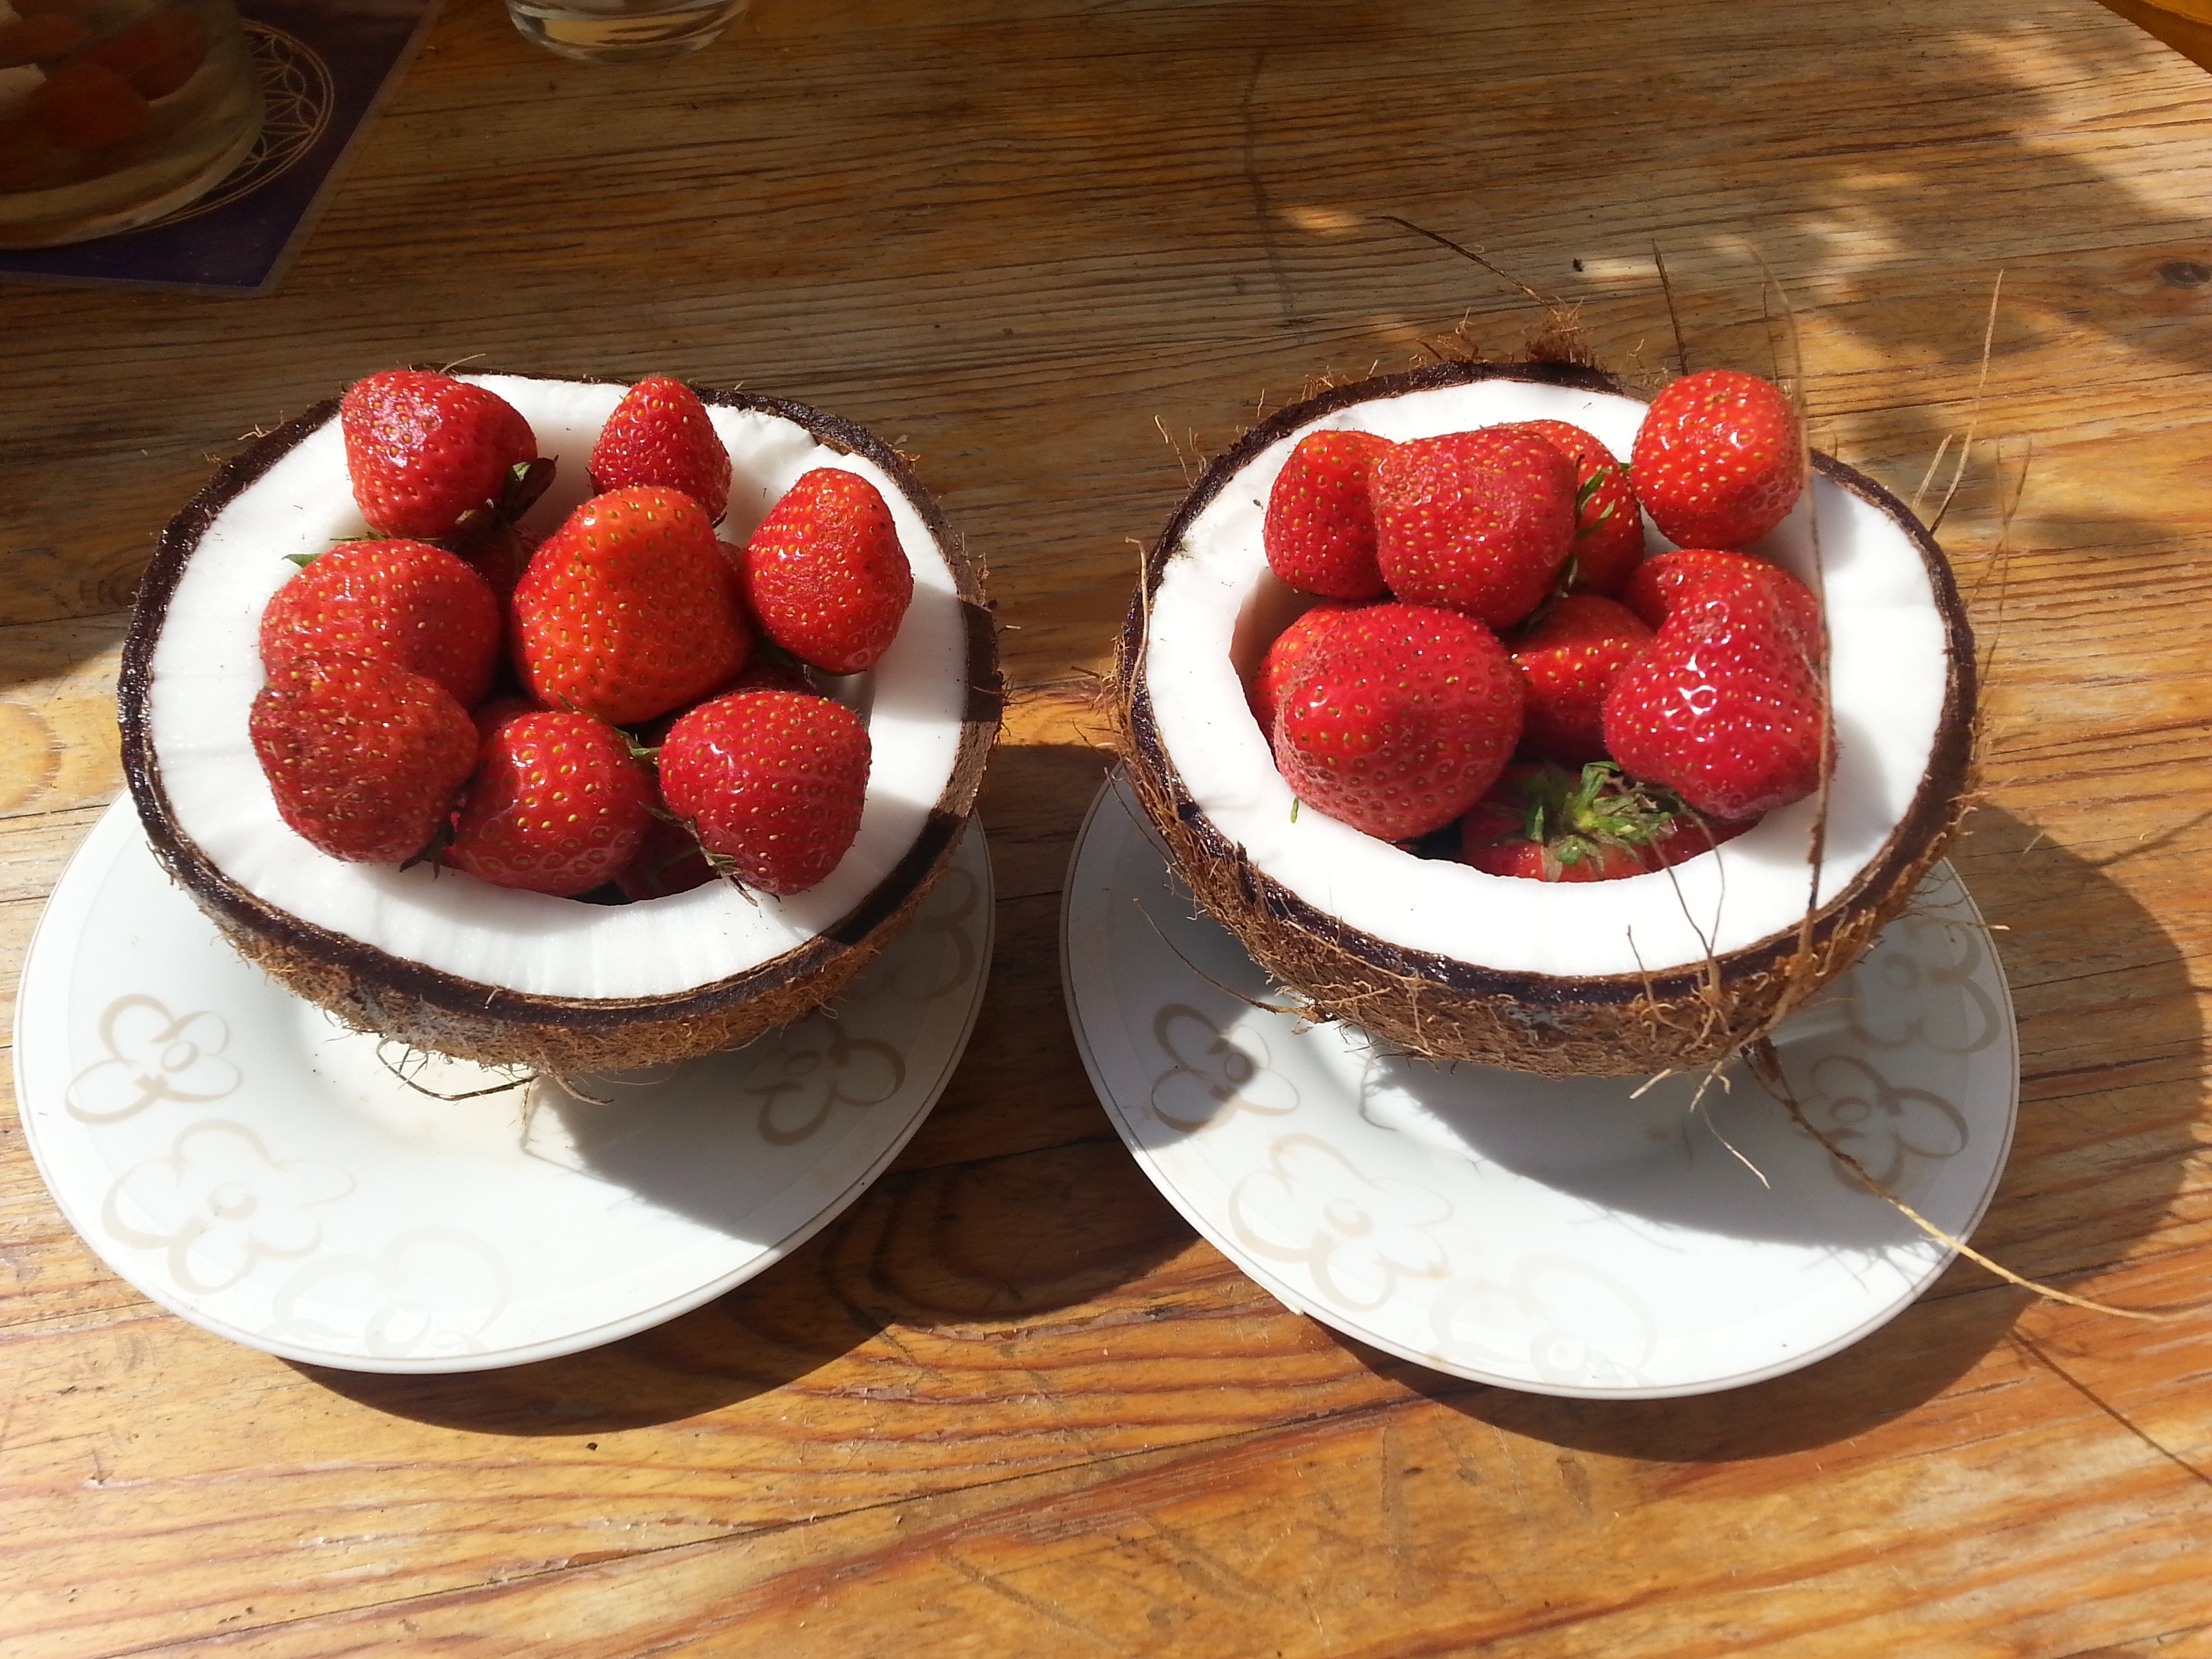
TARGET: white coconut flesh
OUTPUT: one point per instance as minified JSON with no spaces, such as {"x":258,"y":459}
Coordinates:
{"x":1888,"y":676}
{"x":205,"y":669}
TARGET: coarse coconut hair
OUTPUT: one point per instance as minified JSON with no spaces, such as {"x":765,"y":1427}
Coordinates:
{"x":435,"y":958}
{"x":1670,"y":969}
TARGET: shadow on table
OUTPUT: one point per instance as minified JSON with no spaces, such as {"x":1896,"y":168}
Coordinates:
{"x":2110,"y":1033}
{"x":1004,"y":1241}
{"x":1014,"y":1201}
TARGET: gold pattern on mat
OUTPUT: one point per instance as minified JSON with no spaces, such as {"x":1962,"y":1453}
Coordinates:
{"x":299,"y":96}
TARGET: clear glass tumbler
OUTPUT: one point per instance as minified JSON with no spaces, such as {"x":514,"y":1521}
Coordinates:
{"x":116,"y":111}
{"x":623,"y":31}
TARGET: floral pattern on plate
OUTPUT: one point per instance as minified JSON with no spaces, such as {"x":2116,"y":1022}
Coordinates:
{"x":254,"y":1166}
{"x":1578,"y":1237}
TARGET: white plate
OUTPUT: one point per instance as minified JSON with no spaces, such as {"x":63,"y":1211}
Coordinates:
{"x":250,"y":1165}
{"x":1561,"y":1238}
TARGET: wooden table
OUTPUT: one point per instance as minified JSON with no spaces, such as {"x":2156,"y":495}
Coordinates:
{"x":1009,"y":1404}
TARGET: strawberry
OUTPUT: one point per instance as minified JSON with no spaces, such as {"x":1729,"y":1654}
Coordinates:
{"x":426,"y":451}
{"x":1695,"y":575}
{"x":1543,"y":823}
{"x":1608,"y":519}
{"x":825,"y":573}
{"x":1693,"y":835}
{"x":660,"y":433}
{"x":772,"y":670}
{"x":668,"y":862}
{"x":1319,"y":531}
{"x":1720,"y":459}
{"x":557,"y":806}
{"x":489,"y":717}
{"x":1477,"y":522}
{"x":772,"y":782}
{"x":363,"y":757}
{"x":1275,"y":668}
{"x":1568,"y":661}
{"x":627,"y":610}
{"x":402,"y":602}
{"x":1398,"y":718}
{"x":1723,"y":706}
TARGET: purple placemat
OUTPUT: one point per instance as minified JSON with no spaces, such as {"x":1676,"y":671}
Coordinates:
{"x":326,"y":66}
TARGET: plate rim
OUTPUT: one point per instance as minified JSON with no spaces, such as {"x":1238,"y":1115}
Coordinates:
{"x":111,"y":840}
{"x":1116,"y":791}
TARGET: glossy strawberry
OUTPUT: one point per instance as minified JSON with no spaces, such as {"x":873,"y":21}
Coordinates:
{"x":1477,"y":522}
{"x":401,"y":602}
{"x":426,"y":450}
{"x":1543,"y":822}
{"x":557,"y":806}
{"x":826,"y":573}
{"x":1696,"y":576}
{"x":1283,"y":657}
{"x":1693,"y":835}
{"x":660,"y":433}
{"x":1319,"y":531}
{"x":1398,"y":719}
{"x":363,"y":756}
{"x":627,"y":610}
{"x":668,"y":862}
{"x":1568,"y":661}
{"x":772,"y":782}
{"x":1724,"y":708}
{"x":1720,"y":459}
{"x":489,"y":716}
{"x":1608,"y":520}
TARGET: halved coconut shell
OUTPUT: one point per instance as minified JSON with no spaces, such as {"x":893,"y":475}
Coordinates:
{"x":438,"y":960}
{"x":1669,"y":970}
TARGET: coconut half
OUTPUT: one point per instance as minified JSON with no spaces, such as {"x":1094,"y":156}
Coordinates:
{"x":1672,"y":968}
{"x":441,"y":960}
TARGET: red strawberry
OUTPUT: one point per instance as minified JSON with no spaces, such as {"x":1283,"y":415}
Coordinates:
{"x":1477,"y":522}
{"x":1568,"y":661}
{"x":1398,"y":719}
{"x":1691,"y":835}
{"x":660,"y":433}
{"x":489,"y":717}
{"x":1608,"y":520}
{"x":500,"y":556}
{"x":1695,"y":576}
{"x":1319,"y":533}
{"x":1544,"y":823}
{"x":363,"y":756}
{"x":426,"y":449}
{"x":826,"y":573}
{"x":627,"y":610}
{"x":772,"y":782}
{"x":668,"y":862}
{"x":1720,"y":459}
{"x":1283,"y":657}
{"x":401,"y":602}
{"x":557,"y":806}
{"x":1724,"y":708}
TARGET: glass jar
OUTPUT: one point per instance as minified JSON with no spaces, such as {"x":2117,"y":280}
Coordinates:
{"x":113,"y":113}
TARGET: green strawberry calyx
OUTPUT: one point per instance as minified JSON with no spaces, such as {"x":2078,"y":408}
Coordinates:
{"x":1575,"y":818}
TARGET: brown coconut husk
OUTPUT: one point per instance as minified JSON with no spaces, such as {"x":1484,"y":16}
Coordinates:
{"x":374,"y":991}
{"x":1446,"y":1009}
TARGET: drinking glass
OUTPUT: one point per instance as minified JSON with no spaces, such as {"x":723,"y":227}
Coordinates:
{"x":623,"y":31}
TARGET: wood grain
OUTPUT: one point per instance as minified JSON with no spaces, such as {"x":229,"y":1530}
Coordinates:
{"x":1009,"y":1403}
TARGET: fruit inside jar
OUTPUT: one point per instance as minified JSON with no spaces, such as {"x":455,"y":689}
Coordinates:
{"x":114,"y":113}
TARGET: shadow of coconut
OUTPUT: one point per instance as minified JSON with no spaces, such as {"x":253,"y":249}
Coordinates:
{"x":2111,"y":1041}
{"x":754,"y":1339}
{"x":1014,"y":1200}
